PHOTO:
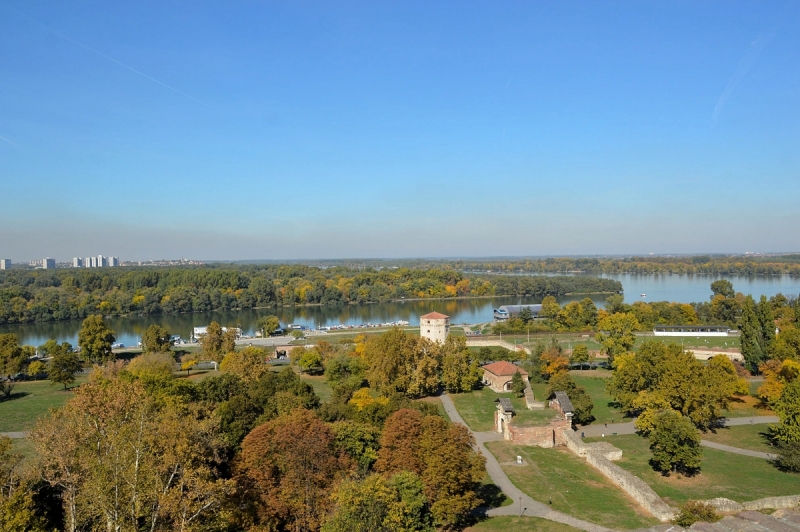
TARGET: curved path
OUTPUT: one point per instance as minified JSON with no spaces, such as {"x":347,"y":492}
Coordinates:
{"x":522,"y":503}
{"x":13,"y":435}
{"x":590,"y":431}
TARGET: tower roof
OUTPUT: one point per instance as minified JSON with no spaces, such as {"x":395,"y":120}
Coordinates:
{"x":434,"y":316}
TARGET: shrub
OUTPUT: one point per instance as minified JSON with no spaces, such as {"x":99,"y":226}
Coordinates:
{"x":694,"y":511}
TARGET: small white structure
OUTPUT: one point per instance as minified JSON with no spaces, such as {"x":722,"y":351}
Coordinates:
{"x":691,"y":330}
{"x":434,"y":326}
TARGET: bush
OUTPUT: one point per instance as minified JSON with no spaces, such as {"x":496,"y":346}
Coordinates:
{"x":694,"y":511}
{"x":789,"y":457}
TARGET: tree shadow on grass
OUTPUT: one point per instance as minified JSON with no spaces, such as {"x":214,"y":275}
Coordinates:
{"x":14,"y":395}
{"x":492,"y":496}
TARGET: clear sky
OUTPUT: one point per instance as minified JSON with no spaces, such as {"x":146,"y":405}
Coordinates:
{"x":278,"y":130}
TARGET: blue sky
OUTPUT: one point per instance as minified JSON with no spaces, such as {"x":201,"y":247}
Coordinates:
{"x":265,"y":130}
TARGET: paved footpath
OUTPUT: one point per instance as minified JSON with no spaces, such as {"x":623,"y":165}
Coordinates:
{"x":628,"y":428}
{"x":522,"y":503}
{"x":13,"y":435}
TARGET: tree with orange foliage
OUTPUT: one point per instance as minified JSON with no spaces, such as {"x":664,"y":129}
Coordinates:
{"x":290,"y":465}
{"x":442,"y":454}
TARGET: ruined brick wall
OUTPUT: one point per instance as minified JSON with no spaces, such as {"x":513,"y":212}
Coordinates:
{"x":540,"y":436}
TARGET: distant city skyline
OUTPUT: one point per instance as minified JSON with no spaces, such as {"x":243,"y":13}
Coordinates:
{"x":415,"y":129}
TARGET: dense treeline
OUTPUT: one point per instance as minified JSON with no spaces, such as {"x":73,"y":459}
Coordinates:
{"x":252,"y":450}
{"x":695,"y":264}
{"x":40,"y":295}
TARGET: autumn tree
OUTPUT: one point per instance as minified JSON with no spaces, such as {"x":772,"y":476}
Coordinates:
{"x":152,"y":365}
{"x":156,"y":339}
{"x":580,"y":355}
{"x":550,"y":307}
{"x":675,"y":444}
{"x":401,"y":362}
{"x":267,"y":325}
{"x":616,"y":334}
{"x":442,"y":454}
{"x":119,"y":458}
{"x":95,"y":339}
{"x":11,"y":355}
{"x":289,"y":466}
{"x":249,"y":364}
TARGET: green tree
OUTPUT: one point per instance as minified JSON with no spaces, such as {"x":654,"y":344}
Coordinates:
{"x":95,"y":339}
{"x":11,"y":355}
{"x":615,"y":304}
{"x":310,"y":361}
{"x":766,"y":322}
{"x":63,"y":367}
{"x":518,"y":384}
{"x":675,"y":444}
{"x":751,"y":337}
{"x":267,"y":325}
{"x":36,"y":367}
{"x":525,"y":315}
{"x":582,"y":403}
{"x":156,"y":339}
{"x":211,"y":342}
{"x":580,"y":355}
{"x":723,"y":288}
{"x":459,"y":372}
{"x":787,"y":406}
{"x":550,"y":307}
{"x":616,"y":334}
{"x":377,"y":503}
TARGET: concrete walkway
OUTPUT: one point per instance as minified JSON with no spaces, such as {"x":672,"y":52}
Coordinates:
{"x":590,"y":431}
{"x":737,"y":450}
{"x":522,"y":503}
{"x":13,"y":435}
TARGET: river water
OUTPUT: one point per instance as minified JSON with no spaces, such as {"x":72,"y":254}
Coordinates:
{"x":680,"y":288}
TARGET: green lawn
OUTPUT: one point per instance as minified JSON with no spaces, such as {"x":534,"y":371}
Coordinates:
{"x":753,"y":437}
{"x":519,"y":524}
{"x":603,"y":411}
{"x":478,"y":406}
{"x":29,"y":401}
{"x":573,"y":485}
{"x":736,"y":477}
{"x":320,"y":385}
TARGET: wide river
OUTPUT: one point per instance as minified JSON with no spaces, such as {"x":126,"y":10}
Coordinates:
{"x":681,"y":288}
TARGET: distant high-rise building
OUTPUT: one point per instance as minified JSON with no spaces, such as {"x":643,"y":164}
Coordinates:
{"x":48,"y":263}
{"x":77,"y":262}
{"x":113,"y":261}
{"x":91,"y":262}
{"x":101,"y":261}
{"x":5,"y":264}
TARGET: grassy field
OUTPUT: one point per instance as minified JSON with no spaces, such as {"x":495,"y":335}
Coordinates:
{"x":519,"y":524}
{"x":574,"y":486}
{"x":29,"y":401}
{"x":603,"y":411}
{"x":697,"y":342}
{"x":478,"y":406}
{"x":736,"y":477}
{"x":321,"y":387}
{"x":753,"y":437}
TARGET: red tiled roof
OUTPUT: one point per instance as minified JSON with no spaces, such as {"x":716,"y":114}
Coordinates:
{"x":503,"y":368}
{"x":433,"y":316}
